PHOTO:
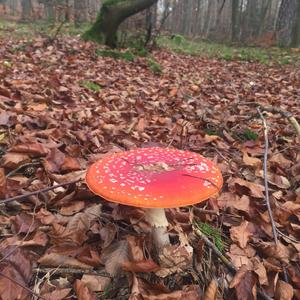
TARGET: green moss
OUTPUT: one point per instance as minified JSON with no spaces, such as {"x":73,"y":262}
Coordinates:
{"x":206,"y":49}
{"x":127,"y":55}
{"x":250,"y":135}
{"x":212,"y":233}
{"x":90,"y":85}
{"x":154,"y":66}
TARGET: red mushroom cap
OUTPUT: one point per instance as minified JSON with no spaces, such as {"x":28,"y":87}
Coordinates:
{"x":155,"y":178}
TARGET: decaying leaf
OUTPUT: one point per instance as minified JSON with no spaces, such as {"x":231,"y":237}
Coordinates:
{"x":242,"y":234}
{"x":114,"y":256}
{"x":244,"y":283}
{"x":284,"y":291}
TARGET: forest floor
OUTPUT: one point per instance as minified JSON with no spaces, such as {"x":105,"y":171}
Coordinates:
{"x":64,"y":104}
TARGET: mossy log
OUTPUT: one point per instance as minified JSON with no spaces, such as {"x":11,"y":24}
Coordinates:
{"x":111,"y":15}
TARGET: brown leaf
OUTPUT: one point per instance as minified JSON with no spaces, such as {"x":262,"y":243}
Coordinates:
{"x":242,"y":234}
{"x":75,"y":207}
{"x":108,"y":233}
{"x":284,"y":291}
{"x":3,"y":182}
{"x":12,"y":160}
{"x":114,"y":256}
{"x":243,"y":186}
{"x":211,"y":291}
{"x":232,"y":200}
{"x":244,"y":283}
{"x":261,"y":271}
{"x":141,"y":289}
{"x":279,"y":251}
{"x":147,"y":265}
{"x":56,"y":260}
{"x":96,"y":283}
{"x":251,"y":161}
{"x":23,"y":223}
{"x":56,"y":161}
{"x":10,"y":290}
{"x":83,"y":292}
{"x":57,"y":294}
{"x":77,"y":227}
{"x":174,"y":258}
{"x":30,"y":148}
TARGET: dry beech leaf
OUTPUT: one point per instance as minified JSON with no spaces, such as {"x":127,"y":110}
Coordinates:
{"x":96,"y":283}
{"x":284,"y":291}
{"x":58,"y":294}
{"x":279,"y":251}
{"x":254,"y":189}
{"x":61,"y":260}
{"x":83,"y":292}
{"x":30,"y":148}
{"x":145,"y":266}
{"x":174,"y":258}
{"x":244,"y":283}
{"x":8,"y":289}
{"x":211,"y":291}
{"x":114,"y":256}
{"x":141,"y":289}
{"x":261,"y":271}
{"x":11,"y":160}
{"x":251,"y":161}
{"x":242,"y":234}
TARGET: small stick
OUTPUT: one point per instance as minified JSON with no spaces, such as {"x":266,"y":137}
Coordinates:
{"x":265,"y":170}
{"x":22,"y":286}
{"x":70,"y":271}
{"x":211,"y":245}
{"x":3,"y":201}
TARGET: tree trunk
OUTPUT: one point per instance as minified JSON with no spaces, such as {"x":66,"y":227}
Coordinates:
{"x":234,"y":20}
{"x":111,"y":15}
{"x":296,"y":30}
{"x":26,"y":10}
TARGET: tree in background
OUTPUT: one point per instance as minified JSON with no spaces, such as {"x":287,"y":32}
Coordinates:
{"x":111,"y":15}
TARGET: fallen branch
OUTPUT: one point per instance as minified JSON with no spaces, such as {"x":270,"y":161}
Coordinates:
{"x":70,"y":271}
{"x":265,"y":170}
{"x":3,"y":201}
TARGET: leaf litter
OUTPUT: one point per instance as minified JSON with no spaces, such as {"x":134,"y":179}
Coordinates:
{"x":66,"y":242}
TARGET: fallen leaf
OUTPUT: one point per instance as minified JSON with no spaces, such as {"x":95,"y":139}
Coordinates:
{"x":284,"y":291}
{"x":57,"y":260}
{"x":242,"y":234}
{"x":244,"y":283}
{"x":83,"y":292}
{"x":253,"y":189}
{"x":96,"y":283}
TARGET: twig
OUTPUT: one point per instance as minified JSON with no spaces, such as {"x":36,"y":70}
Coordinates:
{"x":22,"y":286}
{"x":288,"y":237}
{"x":3,"y":201}
{"x":226,"y":261}
{"x":265,"y":170}
{"x":211,"y":245}
{"x":70,"y":271}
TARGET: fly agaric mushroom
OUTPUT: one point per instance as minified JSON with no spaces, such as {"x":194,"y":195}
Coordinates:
{"x":154,"y":179}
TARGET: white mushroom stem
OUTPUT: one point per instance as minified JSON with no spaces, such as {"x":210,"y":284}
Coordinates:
{"x":159,"y":223}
